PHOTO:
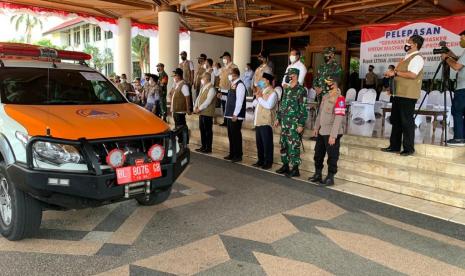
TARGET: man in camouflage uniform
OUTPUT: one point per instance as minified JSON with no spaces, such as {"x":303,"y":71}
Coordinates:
{"x":328,"y":70}
{"x":292,"y":115}
{"x":163,"y":82}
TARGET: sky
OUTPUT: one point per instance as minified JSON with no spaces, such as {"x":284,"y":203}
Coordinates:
{"x":9,"y":33}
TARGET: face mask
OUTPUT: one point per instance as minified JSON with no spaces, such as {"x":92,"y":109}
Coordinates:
{"x":158,"y":69}
{"x":230,"y":77}
{"x":204,"y":66}
{"x":293,"y":59}
{"x":225,"y":61}
{"x":407,"y":47}
{"x":462,"y":43}
{"x":183,"y":57}
{"x":123,"y":80}
{"x":261,"y":84}
{"x":202,"y":81}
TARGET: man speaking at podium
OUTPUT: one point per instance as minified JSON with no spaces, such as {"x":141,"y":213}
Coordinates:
{"x":408,"y":77}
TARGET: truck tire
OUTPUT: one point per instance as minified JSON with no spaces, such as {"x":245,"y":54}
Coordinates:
{"x":155,"y":198}
{"x":20,"y":214}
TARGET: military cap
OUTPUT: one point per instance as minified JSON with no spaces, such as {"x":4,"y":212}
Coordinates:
{"x":329,"y":50}
{"x":293,"y":71}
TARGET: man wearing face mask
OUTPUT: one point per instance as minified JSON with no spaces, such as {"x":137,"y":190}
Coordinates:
{"x":124,"y":86}
{"x":235,"y":114}
{"x":187,"y":67}
{"x":209,"y":69}
{"x":198,"y":74}
{"x":224,"y":82}
{"x":180,"y":100}
{"x":163,"y":83}
{"x":263,"y":68}
{"x":205,"y":107}
{"x":458,"y":102}
{"x":292,"y":115}
{"x":408,"y":77}
{"x":294,"y":59}
{"x":371,"y":79}
{"x":328,"y":70}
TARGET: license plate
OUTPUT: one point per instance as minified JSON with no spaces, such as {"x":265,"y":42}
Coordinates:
{"x":138,"y":173}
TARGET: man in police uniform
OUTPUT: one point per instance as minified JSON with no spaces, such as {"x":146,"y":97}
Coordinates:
{"x":329,"y":127}
{"x":292,"y":115}
{"x":163,"y":83}
{"x":328,"y":70}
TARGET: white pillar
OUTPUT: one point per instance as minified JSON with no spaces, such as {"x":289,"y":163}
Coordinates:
{"x":81,"y":38}
{"x":242,"y":44}
{"x":91,"y":34}
{"x":123,"y":63}
{"x":168,"y":38}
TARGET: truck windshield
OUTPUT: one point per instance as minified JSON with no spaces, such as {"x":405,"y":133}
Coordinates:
{"x":48,"y":86}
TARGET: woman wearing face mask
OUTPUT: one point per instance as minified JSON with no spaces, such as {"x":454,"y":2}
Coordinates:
{"x":247,"y":77}
{"x":265,"y":114}
{"x":329,"y":127}
{"x":205,"y":107}
{"x":295,"y":62}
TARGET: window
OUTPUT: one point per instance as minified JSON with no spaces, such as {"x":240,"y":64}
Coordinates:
{"x":109,"y":69}
{"x":67,"y":39}
{"x":97,"y":33}
{"x":77,"y":36}
{"x":45,"y":86}
{"x":86,"y":31}
{"x":108,"y":35}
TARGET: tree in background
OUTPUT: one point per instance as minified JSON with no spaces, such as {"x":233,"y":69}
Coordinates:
{"x":141,"y":51}
{"x":99,"y":59}
{"x":28,"y":22}
{"x":48,"y":43}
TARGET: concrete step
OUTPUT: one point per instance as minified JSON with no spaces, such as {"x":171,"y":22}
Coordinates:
{"x":452,"y":154}
{"x":430,"y":193}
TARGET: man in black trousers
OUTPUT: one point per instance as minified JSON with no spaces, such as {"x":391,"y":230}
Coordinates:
{"x":408,"y":77}
{"x":235,"y":115}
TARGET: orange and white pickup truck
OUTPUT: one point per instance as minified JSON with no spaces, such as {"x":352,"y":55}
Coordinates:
{"x":70,"y":140}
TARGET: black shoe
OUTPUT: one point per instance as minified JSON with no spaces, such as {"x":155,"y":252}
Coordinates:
{"x":407,"y":153}
{"x":200,"y":150}
{"x":317,"y":177}
{"x":229,"y":157}
{"x":284,"y":169}
{"x":456,"y":142}
{"x":389,"y":149}
{"x":257,"y":164}
{"x":237,"y":159}
{"x":329,"y":180}
{"x":294,"y":172}
{"x":267,"y":166}
{"x":207,"y":151}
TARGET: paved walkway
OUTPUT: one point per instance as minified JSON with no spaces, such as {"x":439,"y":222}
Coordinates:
{"x":228,"y":219}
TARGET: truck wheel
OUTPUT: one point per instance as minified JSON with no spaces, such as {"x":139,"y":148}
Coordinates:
{"x":155,"y":198}
{"x":20,"y":214}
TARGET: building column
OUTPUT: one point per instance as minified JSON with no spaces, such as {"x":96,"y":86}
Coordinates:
{"x":168,"y":38}
{"x":91,"y":34}
{"x":123,"y":62}
{"x":242,"y":44}
{"x":81,"y":38}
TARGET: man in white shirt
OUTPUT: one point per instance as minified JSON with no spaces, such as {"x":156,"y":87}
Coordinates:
{"x":180,"y":100}
{"x":205,"y":107}
{"x":408,"y":79}
{"x":265,"y":115}
{"x":235,"y":115}
{"x":294,"y":58}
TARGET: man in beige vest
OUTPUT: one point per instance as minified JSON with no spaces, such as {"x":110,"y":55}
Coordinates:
{"x":198,"y":75}
{"x":187,"y":67}
{"x":180,"y":100}
{"x":205,"y":107}
{"x":265,"y":115}
{"x":408,"y":77}
{"x":225,"y":82}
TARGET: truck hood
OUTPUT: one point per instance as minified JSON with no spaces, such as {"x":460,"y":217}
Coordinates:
{"x":86,"y":121}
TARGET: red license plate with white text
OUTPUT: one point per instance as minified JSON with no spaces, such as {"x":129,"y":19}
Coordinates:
{"x":138,"y":173}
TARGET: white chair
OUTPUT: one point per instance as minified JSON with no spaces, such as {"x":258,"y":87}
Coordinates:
{"x":384,"y":99}
{"x":351,"y":95}
{"x":361,"y":93}
{"x":436,"y":101}
{"x":311,"y":95}
{"x":364,"y":108}
{"x":420,"y":119}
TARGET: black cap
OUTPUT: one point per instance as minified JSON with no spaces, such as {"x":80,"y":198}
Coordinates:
{"x":226,"y":54}
{"x":183,"y":53}
{"x":178,"y":72}
{"x":202,"y":56}
{"x":269,"y":77}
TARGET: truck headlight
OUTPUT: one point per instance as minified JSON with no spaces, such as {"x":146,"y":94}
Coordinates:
{"x":56,"y":154}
